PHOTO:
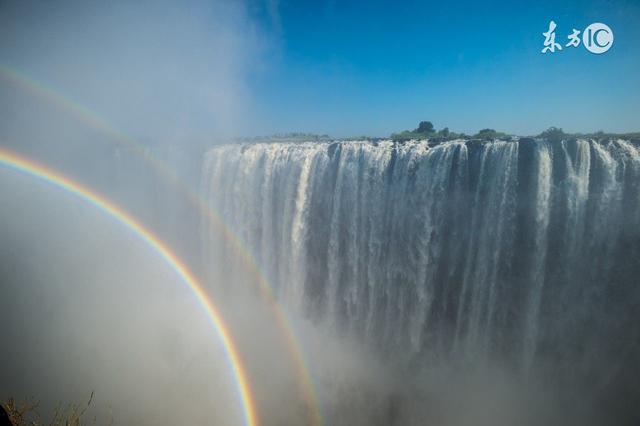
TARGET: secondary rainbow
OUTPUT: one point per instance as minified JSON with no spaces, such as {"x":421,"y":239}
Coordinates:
{"x":39,"y":171}
{"x":214,"y":219}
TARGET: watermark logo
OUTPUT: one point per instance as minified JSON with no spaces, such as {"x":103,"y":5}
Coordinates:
{"x":596,"y":38}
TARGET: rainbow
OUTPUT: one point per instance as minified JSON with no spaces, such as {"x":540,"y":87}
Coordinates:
{"x":30,"y":168}
{"x":92,"y":119}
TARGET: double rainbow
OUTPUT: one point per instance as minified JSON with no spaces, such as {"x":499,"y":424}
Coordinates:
{"x":93,"y":120}
{"x":30,"y":168}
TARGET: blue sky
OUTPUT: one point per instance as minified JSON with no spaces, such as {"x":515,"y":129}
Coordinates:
{"x":373,"y":67}
{"x":188,"y":70}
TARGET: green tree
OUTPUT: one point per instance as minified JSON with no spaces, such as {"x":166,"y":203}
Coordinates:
{"x":553,"y":134}
{"x":489,"y":134}
{"x":425,"y":127}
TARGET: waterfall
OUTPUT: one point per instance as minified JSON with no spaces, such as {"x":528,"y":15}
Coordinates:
{"x":512,"y":249}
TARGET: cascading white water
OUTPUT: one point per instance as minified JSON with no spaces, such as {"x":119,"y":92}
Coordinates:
{"x":463,"y":248}
{"x":540,"y":241}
